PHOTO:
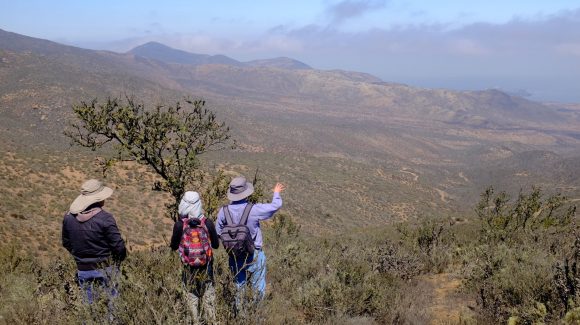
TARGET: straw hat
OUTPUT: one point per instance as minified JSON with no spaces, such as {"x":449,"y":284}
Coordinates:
{"x":92,"y":192}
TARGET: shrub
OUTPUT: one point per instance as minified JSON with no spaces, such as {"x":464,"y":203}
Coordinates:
{"x":310,"y":280}
{"x":431,"y":242}
{"x":524,"y":266}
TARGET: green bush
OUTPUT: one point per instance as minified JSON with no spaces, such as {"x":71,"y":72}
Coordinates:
{"x":519,"y":261}
{"x":523,"y":267}
{"x":310,"y":280}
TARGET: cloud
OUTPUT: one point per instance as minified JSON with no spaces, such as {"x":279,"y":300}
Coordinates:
{"x":467,"y":47}
{"x":349,"y":9}
{"x":539,"y":54}
{"x":542,"y":51}
{"x":569,"y":49}
{"x":546,"y":36}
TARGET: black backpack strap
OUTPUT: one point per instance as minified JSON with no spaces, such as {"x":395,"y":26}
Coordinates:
{"x":228,"y":215}
{"x":246,"y":214}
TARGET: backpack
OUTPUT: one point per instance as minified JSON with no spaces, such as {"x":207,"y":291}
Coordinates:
{"x":195,"y":247}
{"x":236,"y":238}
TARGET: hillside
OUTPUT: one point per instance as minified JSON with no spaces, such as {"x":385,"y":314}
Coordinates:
{"x":347,"y":143}
{"x":281,"y":62}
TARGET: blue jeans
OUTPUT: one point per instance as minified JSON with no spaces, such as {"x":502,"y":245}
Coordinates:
{"x":100,"y":279}
{"x":252,"y":270}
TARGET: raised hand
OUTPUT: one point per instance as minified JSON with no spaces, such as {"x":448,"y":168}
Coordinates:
{"x":279,"y":188}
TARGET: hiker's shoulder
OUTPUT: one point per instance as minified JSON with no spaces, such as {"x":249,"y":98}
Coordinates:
{"x":209,"y":222}
{"x":104,"y":216}
{"x":68,"y":217}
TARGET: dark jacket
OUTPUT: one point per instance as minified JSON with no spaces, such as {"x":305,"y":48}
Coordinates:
{"x":93,"y":242}
{"x":178,"y":232}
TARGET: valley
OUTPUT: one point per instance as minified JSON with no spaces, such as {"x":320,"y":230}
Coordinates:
{"x":322,"y":132}
{"x":384,"y":217}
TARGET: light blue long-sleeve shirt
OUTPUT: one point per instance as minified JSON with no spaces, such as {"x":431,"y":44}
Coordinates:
{"x":260,"y":211}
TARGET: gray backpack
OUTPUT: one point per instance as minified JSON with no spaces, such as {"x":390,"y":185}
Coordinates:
{"x":236,"y":238}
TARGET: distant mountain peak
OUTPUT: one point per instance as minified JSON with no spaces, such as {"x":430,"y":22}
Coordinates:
{"x":161,"y":52}
{"x":280,"y":62}
{"x":152,"y":45}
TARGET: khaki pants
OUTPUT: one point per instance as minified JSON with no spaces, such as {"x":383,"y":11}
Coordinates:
{"x":202,"y":307}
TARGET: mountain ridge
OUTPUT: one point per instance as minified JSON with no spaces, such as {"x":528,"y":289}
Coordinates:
{"x":328,"y":94}
{"x":164,"y":53}
{"x":342,"y":124}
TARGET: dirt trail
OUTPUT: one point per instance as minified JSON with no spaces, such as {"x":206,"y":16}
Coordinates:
{"x":442,"y":195}
{"x":462,"y":176}
{"x":448,"y":304}
{"x":405,"y":170}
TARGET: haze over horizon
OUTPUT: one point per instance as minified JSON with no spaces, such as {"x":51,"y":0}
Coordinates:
{"x":522,"y":47}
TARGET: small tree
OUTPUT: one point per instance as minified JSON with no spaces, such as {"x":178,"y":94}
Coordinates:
{"x":168,"y":139}
{"x":528,"y":216}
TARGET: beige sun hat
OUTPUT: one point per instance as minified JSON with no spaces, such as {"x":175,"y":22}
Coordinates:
{"x":92,"y":192}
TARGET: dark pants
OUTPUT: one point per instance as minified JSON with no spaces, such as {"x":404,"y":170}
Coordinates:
{"x":101,"y":280}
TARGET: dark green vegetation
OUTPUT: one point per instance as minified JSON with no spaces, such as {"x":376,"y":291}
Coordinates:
{"x":519,"y":261}
{"x":382,"y":182}
{"x":168,"y":140}
{"x":527,"y":256}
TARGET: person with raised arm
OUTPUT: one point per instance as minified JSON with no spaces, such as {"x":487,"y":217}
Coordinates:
{"x":238,"y":225}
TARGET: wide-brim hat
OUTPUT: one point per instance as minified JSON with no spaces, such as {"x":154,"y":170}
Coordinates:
{"x":92,"y":191}
{"x":240,"y":189}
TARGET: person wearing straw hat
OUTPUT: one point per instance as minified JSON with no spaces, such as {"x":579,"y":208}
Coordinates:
{"x":92,"y":237}
{"x":252,"y":269}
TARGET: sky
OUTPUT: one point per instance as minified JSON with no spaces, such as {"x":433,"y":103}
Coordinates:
{"x":526,"y":47}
